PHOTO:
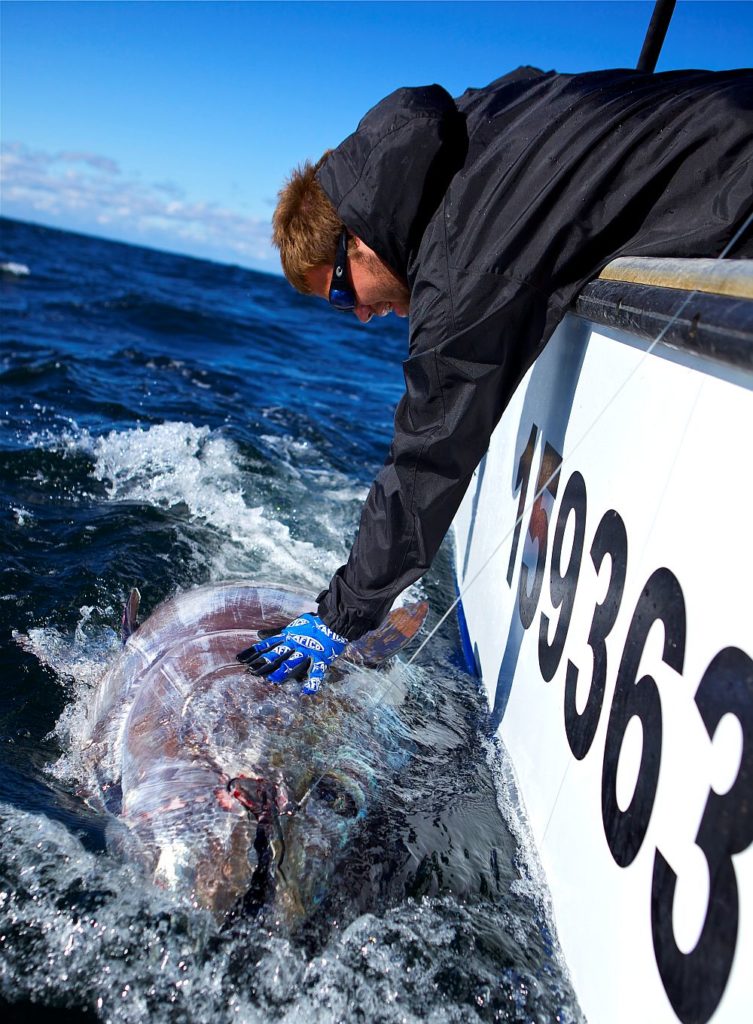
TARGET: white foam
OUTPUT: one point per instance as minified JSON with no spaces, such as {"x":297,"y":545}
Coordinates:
{"x":533,"y":884}
{"x":79,"y":657}
{"x":78,"y":662}
{"x":22,"y":516}
{"x":16,"y":269}
{"x":100,"y":954}
{"x":178,"y":464}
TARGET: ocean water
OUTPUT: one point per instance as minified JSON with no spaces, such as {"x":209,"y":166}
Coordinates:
{"x":167,"y":422}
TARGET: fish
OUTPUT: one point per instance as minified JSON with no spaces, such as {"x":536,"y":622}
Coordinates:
{"x":236,"y":795}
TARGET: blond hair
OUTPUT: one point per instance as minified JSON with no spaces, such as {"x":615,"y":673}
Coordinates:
{"x":305,"y":226}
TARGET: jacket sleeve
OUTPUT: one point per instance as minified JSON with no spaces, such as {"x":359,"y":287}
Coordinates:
{"x":456,"y":391}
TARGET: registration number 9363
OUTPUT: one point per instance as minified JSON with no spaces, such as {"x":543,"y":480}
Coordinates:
{"x":570,"y":595}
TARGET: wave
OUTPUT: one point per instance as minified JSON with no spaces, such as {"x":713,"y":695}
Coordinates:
{"x":255,"y":515}
{"x":14,"y":269}
{"x":174,"y":464}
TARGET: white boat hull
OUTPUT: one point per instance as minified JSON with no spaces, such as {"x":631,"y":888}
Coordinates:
{"x":634,"y":751}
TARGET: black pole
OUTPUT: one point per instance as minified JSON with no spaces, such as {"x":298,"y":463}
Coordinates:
{"x":657,"y":30}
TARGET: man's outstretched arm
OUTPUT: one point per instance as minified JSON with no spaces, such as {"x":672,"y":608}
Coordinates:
{"x":455,"y":394}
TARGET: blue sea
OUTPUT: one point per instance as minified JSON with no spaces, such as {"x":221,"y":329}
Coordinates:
{"x":167,"y":422}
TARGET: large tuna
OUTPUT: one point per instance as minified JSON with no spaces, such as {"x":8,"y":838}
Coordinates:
{"x":233,"y":792}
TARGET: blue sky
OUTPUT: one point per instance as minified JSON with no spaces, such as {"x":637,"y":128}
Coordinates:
{"x":174,"y":124}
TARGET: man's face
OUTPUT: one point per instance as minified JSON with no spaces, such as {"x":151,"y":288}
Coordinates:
{"x":377,"y":290}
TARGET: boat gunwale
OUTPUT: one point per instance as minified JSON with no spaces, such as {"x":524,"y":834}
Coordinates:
{"x":712,"y":325}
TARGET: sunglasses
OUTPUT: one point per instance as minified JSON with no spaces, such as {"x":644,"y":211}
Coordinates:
{"x":341,"y":295}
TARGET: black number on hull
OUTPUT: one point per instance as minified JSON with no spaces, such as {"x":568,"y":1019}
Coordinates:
{"x":524,"y":474}
{"x":562,"y":585}
{"x":610,"y":539}
{"x":538,"y":530}
{"x":661,"y":600}
{"x":695,"y":981}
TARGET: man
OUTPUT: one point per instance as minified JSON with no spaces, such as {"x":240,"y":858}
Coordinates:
{"x":483,"y":217}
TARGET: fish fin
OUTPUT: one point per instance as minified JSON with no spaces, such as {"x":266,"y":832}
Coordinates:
{"x":129,"y":623}
{"x":397,"y":630}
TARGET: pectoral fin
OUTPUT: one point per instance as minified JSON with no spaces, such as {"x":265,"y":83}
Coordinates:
{"x":397,"y":630}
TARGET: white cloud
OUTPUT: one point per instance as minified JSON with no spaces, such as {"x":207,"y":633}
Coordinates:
{"x":87,"y":188}
{"x":100,"y":163}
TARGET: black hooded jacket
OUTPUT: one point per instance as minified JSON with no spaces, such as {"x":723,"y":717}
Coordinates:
{"x":497,"y":208}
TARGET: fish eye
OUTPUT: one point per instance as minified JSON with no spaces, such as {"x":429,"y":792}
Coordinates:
{"x":337,"y":798}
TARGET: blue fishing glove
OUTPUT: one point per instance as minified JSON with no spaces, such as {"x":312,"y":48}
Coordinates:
{"x":305,"y":647}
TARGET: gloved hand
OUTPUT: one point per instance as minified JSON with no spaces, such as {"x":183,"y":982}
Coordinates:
{"x":305,"y":646}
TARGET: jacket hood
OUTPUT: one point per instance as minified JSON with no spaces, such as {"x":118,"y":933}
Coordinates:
{"x":388,"y":177}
